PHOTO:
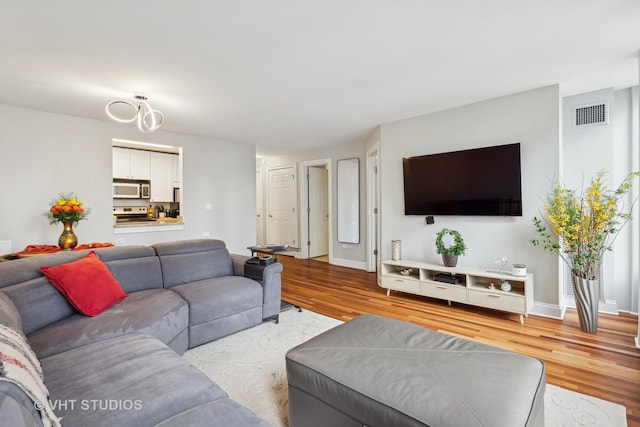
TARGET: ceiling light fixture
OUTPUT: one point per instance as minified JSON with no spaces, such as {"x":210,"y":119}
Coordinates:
{"x":147,"y":118}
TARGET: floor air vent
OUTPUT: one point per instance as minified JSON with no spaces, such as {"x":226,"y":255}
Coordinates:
{"x":591,"y":114}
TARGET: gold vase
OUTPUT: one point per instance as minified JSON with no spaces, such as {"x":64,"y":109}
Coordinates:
{"x":68,"y":239}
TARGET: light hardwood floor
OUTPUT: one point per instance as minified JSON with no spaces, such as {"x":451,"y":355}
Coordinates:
{"x":604,"y":365}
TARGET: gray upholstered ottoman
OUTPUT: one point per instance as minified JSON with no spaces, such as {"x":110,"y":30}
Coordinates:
{"x":374,"y":371}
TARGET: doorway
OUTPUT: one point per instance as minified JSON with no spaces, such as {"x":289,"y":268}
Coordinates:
{"x":318,"y":212}
{"x":316,"y":226}
{"x":282,"y":218}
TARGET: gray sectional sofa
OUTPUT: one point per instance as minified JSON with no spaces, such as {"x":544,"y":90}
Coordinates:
{"x":122,"y":367}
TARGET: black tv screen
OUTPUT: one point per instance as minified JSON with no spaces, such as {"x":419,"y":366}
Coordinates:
{"x":480,"y":181}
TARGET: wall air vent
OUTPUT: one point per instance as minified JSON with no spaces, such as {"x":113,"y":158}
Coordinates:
{"x":569,"y":292}
{"x":591,"y":114}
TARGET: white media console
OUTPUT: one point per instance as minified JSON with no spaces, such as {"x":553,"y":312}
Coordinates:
{"x":472,"y":287}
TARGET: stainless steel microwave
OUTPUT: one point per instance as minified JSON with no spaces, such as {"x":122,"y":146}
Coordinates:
{"x":131,"y":190}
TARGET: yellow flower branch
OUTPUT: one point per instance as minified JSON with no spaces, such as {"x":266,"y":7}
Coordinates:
{"x":585,"y":225}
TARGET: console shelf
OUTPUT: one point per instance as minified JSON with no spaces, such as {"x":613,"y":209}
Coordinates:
{"x":469,"y":285}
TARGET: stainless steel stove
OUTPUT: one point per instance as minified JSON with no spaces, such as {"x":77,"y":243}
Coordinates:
{"x":131,"y":214}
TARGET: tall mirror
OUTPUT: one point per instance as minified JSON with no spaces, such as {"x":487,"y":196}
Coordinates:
{"x":348,"y":175}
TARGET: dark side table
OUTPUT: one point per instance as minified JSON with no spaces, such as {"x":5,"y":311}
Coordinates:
{"x":272,"y":250}
{"x":268,"y":249}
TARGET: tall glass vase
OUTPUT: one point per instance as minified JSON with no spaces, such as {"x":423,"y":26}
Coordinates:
{"x":586,"y":295}
{"x":68,"y":239}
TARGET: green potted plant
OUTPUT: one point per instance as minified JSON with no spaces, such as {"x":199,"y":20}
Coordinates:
{"x":452,"y":248}
{"x":583,"y":226}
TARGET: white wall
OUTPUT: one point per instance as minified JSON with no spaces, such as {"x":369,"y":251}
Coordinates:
{"x":609,"y":147}
{"x":587,"y":150}
{"x":44,"y":154}
{"x":372,"y":186}
{"x":531,"y":118}
{"x":352,"y":254}
{"x":635,"y":108}
{"x":626,"y":249}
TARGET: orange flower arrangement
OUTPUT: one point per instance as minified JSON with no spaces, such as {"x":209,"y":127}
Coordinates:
{"x":66,"y":208}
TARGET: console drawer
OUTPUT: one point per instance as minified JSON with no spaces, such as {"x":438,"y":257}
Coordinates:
{"x":497,"y":300}
{"x":401,"y":284}
{"x":443,"y":291}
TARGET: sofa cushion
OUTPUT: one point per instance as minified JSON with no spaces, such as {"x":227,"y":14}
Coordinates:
{"x":86,"y":283}
{"x":25,"y":269}
{"x":188,"y":261}
{"x":220,"y":297}
{"x":135,"y":381}
{"x":17,"y":411}
{"x":9,"y":314}
{"x":21,"y":381}
{"x":136,"y":268}
{"x":219,"y":413}
{"x":38,"y":302}
{"x":157,"y":312}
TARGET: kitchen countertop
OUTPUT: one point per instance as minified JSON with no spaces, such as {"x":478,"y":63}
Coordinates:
{"x":158,"y":221}
{"x":159,"y":224}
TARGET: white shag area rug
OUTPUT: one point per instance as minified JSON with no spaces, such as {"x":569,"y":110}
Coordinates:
{"x":250,"y":367}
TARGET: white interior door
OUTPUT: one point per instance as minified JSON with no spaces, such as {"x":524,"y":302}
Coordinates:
{"x":318,"y":209}
{"x":259,"y":209}
{"x":281,"y":206}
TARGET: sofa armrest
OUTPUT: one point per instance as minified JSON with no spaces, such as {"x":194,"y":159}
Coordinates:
{"x":9,"y":314}
{"x":238,"y":263}
{"x":270,"y":281}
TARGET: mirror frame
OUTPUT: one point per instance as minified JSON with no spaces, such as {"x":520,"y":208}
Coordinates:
{"x":348,"y":200}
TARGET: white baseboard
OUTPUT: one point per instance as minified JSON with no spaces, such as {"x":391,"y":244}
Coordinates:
{"x":638,"y":342}
{"x":552,"y":311}
{"x":609,"y":307}
{"x":360,"y":265}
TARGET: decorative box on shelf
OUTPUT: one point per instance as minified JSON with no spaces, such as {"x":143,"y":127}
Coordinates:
{"x":461,"y":284}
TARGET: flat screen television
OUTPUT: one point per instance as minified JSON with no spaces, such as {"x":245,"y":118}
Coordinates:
{"x":480,"y":181}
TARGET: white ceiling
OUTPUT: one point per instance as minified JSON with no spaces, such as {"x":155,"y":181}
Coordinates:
{"x":292,"y":75}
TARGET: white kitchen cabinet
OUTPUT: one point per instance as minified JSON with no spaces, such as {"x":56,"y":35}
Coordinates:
{"x":161,"y":170}
{"x":121,"y":167}
{"x":131,"y":164}
{"x":472,"y":285}
{"x":175,"y":170}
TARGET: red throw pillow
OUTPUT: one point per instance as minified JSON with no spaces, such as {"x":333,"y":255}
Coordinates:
{"x":86,"y":283}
